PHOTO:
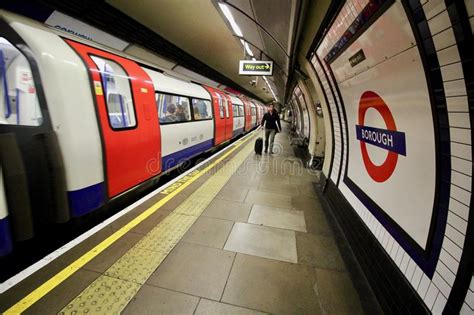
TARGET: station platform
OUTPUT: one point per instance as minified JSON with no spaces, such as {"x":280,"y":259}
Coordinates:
{"x":240,"y":234}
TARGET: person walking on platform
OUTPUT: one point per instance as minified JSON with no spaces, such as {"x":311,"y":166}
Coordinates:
{"x":271,"y":121}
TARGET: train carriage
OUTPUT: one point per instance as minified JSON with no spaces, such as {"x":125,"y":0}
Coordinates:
{"x":185,"y":116}
{"x":81,"y":124}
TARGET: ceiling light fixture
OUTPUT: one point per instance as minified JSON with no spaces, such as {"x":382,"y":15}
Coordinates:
{"x":247,"y":48}
{"x":271,"y":89}
{"x":231,"y":20}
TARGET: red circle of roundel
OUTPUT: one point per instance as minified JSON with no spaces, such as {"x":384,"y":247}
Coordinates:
{"x":382,"y":172}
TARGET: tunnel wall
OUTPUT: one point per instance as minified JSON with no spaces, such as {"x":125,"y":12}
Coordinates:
{"x":311,"y":112}
{"x":307,"y":124}
{"x":317,"y":138}
{"x":326,"y":119}
{"x":398,"y":83}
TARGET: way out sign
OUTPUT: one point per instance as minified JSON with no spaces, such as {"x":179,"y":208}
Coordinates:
{"x":255,"y":67}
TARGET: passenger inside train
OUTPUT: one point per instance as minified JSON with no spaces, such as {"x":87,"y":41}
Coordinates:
{"x":200,"y":108}
{"x":170,"y":114}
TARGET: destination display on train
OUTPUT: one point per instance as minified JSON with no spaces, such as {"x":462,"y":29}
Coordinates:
{"x":255,"y":67}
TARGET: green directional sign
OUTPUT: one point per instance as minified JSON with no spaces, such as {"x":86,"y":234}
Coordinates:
{"x":255,"y":67}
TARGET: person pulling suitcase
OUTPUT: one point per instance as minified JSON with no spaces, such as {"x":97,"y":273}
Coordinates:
{"x":271,"y":121}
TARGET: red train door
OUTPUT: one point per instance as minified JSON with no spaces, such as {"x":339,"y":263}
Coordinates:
{"x":219,"y":116}
{"x":248,"y":118}
{"x":222,"y":115}
{"x":127,"y":117}
{"x":229,"y":124}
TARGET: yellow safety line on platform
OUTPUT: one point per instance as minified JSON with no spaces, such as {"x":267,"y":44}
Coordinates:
{"x":130,"y":288}
{"x":113,"y":290}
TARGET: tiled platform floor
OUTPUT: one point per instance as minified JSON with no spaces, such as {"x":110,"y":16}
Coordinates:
{"x":263,"y":245}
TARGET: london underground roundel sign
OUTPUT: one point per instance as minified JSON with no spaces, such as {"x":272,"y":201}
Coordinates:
{"x":389,"y":139}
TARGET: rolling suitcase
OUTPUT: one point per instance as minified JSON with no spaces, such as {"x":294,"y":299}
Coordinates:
{"x":259,"y":142}
{"x":259,"y":145}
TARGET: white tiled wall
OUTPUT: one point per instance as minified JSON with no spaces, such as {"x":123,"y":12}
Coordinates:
{"x":338,"y":104}
{"x":457,"y":103}
{"x":444,"y":39}
{"x":468,"y":305}
{"x":435,"y":291}
{"x":336,"y":166}
{"x":448,"y":55}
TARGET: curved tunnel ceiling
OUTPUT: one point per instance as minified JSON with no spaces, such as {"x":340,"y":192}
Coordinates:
{"x":201,"y":29}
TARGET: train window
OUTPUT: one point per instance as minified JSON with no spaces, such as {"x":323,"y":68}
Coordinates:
{"x":221,"y":105}
{"x":226,"y":105}
{"x":235,"y":110}
{"x":19,"y":103}
{"x":202,"y":109}
{"x":253,"y":111}
{"x":118,"y":94}
{"x":172,"y":108}
{"x":241,"y":111}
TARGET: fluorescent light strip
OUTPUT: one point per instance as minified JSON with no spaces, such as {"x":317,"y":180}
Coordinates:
{"x":247,"y":47}
{"x":231,"y":20}
{"x":271,"y":89}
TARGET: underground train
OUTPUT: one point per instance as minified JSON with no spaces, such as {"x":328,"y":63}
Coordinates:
{"x":81,"y":124}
